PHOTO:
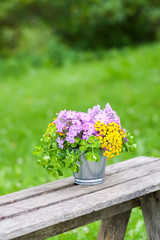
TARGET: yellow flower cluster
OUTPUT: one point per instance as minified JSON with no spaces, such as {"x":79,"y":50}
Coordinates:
{"x":110,"y":137}
{"x":50,"y":128}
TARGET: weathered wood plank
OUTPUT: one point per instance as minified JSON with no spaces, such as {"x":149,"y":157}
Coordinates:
{"x":74,"y":191}
{"x":36,"y":191}
{"x":131,"y":163}
{"x":61,"y":184}
{"x":150,"y":205}
{"x":114,"y":228}
{"x":80,"y":206}
{"x":79,"y":221}
{"x":45,"y":207}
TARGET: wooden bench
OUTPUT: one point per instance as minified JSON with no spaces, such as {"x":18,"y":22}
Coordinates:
{"x":53,"y":208}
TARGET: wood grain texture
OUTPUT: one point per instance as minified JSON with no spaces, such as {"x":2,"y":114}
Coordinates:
{"x":150,"y":205}
{"x":56,"y":207}
{"x":80,"y":221}
{"x":36,"y":191}
{"x":114,"y":228}
{"x":63,"y":194}
{"x":59,"y":213}
{"x":68,"y":182}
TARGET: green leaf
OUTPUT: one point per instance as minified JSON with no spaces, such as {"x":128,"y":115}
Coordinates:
{"x":73,"y":145}
{"x":38,"y":150}
{"x":91,"y":139}
{"x":82,"y":148}
{"x":50,"y":169}
{"x":75,"y":168}
{"x":53,"y":134}
{"x":88,"y":156}
{"x":133,"y":148}
{"x":39,"y":162}
{"x":54,"y":174}
{"x":68,"y":164}
{"x":123,"y":149}
{"x":46,"y":160}
{"x":93,"y":156}
{"x":81,"y":162}
{"x":84,"y":143}
{"x":126,"y":147}
{"x":96,"y":143}
{"x":96,"y":157}
{"x":77,"y":140}
{"x":60,"y":172}
{"x":68,"y":144}
{"x":60,"y":164}
{"x":60,"y":155}
{"x":46,"y":157}
{"x":130,"y":140}
{"x":54,"y":145}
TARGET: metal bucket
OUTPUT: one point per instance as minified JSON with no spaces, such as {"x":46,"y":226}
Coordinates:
{"x":91,"y":173}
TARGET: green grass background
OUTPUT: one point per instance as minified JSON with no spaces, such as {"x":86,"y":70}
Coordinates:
{"x":129,"y":79}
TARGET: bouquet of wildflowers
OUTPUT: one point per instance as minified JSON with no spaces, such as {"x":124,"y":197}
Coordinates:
{"x":73,"y":133}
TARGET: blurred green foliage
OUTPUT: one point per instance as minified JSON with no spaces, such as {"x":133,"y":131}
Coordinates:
{"x":82,"y":24}
{"x":30,"y":96}
{"x":39,"y":35}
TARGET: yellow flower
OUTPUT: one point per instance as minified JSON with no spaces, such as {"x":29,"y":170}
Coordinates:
{"x":111,"y":138}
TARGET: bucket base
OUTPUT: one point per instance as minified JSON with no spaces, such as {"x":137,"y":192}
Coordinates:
{"x":89,"y":181}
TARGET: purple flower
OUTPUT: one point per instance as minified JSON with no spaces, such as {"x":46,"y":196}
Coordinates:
{"x":95,"y":110}
{"x":70,"y":139}
{"x":125,"y":139}
{"x":79,"y":124}
{"x":60,"y":142}
{"x":106,"y":116}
